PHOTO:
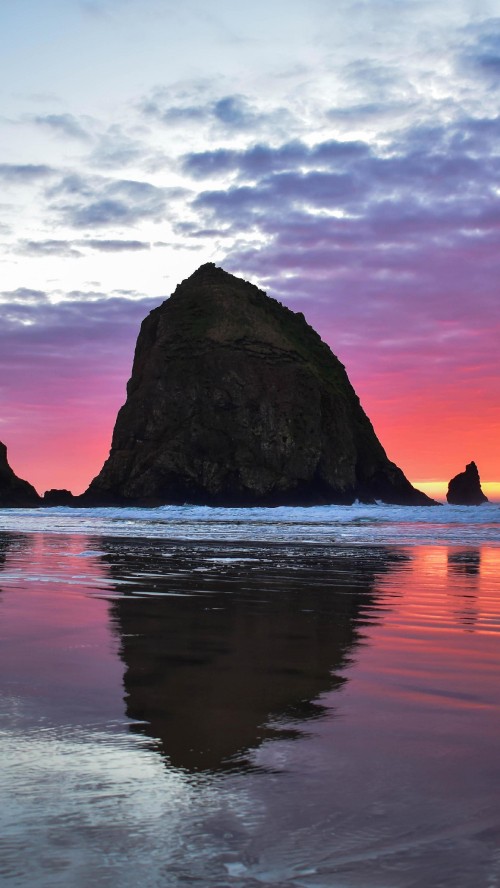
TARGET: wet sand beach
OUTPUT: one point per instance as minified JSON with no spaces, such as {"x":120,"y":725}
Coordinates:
{"x":224,"y":713}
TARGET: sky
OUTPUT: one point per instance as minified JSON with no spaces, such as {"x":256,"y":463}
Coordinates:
{"x":340,"y":154}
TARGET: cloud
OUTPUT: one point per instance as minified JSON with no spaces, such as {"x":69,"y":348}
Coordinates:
{"x":262,"y":159}
{"x":23,"y":296}
{"x":427,"y":177}
{"x":41,"y":248}
{"x":378,"y":116}
{"x":97,"y":202}
{"x":73,"y":249}
{"x":175,"y":113}
{"x":245,"y":205}
{"x":80,"y":347}
{"x":230,"y":114}
{"x":63,"y":124}
{"x":392,"y":249}
{"x":112,"y":146}
{"x":116,"y":246}
{"x":480,"y":53}
{"x":58,"y":328}
{"x":235,"y":112}
{"x":115,"y":149}
{"x":24,"y":173}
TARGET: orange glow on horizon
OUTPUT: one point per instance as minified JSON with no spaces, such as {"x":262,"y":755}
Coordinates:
{"x":67,"y":461}
{"x":437,"y":489}
{"x":67,"y":447}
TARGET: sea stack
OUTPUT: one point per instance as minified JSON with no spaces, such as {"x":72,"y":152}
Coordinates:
{"x":14,"y":492}
{"x":235,"y":400}
{"x":465,"y":488}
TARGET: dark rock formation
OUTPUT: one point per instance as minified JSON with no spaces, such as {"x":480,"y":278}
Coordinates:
{"x":57,"y":497}
{"x":465,"y":488}
{"x":14,"y":492}
{"x":235,"y":400}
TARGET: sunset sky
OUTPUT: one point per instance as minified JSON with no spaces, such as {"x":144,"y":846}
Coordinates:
{"x":344,"y":155}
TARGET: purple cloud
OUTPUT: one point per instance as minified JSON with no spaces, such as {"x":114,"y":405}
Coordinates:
{"x":87,"y":333}
{"x":261,"y":159}
{"x":36,"y":249}
{"x":394,"y":247}
{"x":73,"y":249}
{"x":116,"y":246}
{"x":96,"y":202}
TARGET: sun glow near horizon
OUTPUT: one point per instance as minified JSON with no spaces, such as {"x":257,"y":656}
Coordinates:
{"x":437,"y":489}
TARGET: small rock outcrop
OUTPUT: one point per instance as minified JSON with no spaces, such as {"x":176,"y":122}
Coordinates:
{"x":465,"y":488}
{"x":235,"y":400}
{"x":56,"y":497}
{"x":14,"y":492}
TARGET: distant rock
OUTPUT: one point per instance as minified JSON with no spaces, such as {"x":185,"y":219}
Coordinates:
{"x":235,"y":400}
{"x":57,"y":497}
{"x":14,"y":492}
{"x":465,"y":489}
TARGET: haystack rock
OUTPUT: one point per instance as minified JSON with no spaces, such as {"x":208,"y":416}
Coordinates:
{"x":235,"y":400}
{"x":465,"y":488}
{"x":14,"y":492}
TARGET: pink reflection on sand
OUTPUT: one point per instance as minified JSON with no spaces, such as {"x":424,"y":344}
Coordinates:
{"x":434,"y":657}
{"x":57,"y":644}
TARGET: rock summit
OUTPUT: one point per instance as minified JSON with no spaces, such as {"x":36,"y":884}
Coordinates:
{"x":235,"y":400}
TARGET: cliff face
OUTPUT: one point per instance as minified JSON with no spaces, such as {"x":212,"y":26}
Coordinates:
{"x":465,"y":488}
{"x":235,"y":400}
{"x":14,"y":492}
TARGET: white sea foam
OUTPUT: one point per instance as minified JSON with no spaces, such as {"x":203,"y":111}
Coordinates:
{"x":356,"y":524}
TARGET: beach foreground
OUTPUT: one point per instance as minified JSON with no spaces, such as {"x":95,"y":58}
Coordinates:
{"x":260,"y":705}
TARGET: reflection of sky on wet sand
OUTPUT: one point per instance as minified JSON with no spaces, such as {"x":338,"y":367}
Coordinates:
{"x":366,"y":749}
{"x":56,"y":645}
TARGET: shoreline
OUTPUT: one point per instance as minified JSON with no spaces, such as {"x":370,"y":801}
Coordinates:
{"x":329,"y":526}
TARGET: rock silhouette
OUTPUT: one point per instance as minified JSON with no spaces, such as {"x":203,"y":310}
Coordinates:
{"x":59,"y":497}
{"x":235,"y":400}
{"x":465,"y":488}
{"x":14,"y":492}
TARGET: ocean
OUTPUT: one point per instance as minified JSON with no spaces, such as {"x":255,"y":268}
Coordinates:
{"x":238,"y":698}
{"x":333,"y":525}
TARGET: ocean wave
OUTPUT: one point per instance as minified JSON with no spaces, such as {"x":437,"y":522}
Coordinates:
{"x":356,"y":524}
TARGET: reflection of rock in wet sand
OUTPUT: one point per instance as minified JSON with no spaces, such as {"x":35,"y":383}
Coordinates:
{"x":465,"y":562}
{"x":232,"y":646}
{"x":4,"y":545}
{"x":464,"y":567}
{"x":7,"y":540}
